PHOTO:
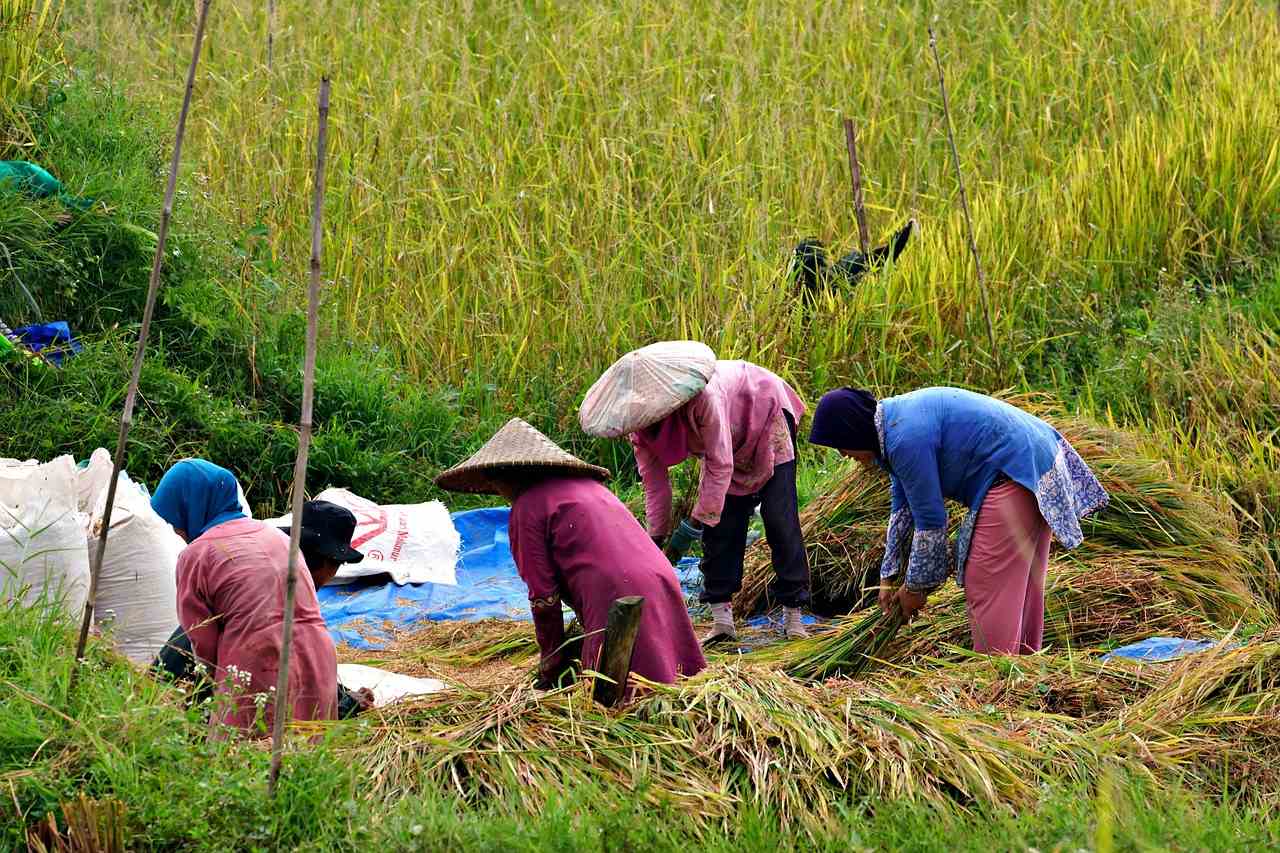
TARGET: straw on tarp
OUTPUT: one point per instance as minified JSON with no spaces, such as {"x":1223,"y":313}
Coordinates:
{"x":644,"y":386}
{"x":516,"y":445}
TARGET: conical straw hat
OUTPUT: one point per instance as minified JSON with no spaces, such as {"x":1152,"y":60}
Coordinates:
{"x":516,"y":445}
{"x":644,"y":386}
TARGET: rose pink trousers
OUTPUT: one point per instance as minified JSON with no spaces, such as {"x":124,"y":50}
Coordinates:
{"x":1004,"y":575}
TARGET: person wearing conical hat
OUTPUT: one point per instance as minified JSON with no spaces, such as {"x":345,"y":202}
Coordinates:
{"x":575,"y":543}
{"x":675,"y":400}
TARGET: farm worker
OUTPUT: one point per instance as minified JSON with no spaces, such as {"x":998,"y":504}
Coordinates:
{"x":575,"y":543}
{"x":1021,"y":481}
{"x":231,"y":587}
{"x":326,"y":546}
{"x":675,"y":400}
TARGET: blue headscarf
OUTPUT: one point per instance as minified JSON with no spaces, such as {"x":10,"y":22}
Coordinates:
{"x":195,"y":495}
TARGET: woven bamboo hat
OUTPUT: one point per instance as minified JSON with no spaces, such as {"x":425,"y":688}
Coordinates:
{"x":516,"y":445}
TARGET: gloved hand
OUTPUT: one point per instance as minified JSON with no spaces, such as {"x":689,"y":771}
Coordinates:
{"x":688,"y":532}
{"x":552,"y":671}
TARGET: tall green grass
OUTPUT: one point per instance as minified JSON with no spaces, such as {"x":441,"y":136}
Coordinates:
{"x":30,"y":50}
{"x":522,"y":191}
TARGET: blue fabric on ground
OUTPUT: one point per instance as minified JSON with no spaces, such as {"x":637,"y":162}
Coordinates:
{"x":1154,"y":649}
{"x":365,"y":613}
{"x":55,"y":337}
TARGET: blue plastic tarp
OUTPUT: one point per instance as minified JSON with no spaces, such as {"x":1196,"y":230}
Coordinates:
{"x":365,"y":614}
{"x":53,"y":339}
{"x":1155,"y":649}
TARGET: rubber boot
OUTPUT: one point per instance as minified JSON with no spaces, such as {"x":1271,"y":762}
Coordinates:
{"x":793,"y":623}
{"x":722,"y":628}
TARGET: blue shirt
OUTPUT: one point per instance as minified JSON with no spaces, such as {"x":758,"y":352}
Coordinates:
{"x":944,"y":444}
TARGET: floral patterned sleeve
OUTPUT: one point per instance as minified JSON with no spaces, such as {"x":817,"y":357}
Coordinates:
{"x":901,"y":526}
{"x":915,"y":468}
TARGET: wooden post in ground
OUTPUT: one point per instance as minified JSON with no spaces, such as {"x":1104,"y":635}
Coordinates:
{"x":304,"y":441}
{"x":621,"y":627}
{"x":126,"y":417}
{"x":855,"y":174}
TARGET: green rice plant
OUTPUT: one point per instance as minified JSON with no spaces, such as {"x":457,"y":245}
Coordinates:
{"x":29,"y":50}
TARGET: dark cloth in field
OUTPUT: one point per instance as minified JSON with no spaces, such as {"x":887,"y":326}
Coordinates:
{"x":812,"y":270}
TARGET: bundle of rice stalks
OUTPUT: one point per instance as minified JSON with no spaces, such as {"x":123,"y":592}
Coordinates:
{"x":476,"y":654}
{"x":706,"y":745}
{"x":1079,"y":686}
{"x":844,"y":535}
{"x":1109,"y":600}
{"x":1216,"y":716}
{"x":848,"y":648}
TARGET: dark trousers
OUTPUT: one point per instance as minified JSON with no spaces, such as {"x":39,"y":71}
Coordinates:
{"x":725,"y":546}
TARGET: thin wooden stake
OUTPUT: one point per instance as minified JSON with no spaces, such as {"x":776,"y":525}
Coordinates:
{"x":964,"y":203}
{"x":126,"y":417}
{"x":271,"y":35}
{"x":855,"y":174}
{"x":621,"y":626}
{"x":304,"y":440}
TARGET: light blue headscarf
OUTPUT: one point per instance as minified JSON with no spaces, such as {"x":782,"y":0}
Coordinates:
{"x":195,"y":495}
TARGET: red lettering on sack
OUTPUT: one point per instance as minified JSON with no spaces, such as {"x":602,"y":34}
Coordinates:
{"x":376,"y":521}
{"x":401,"y":535}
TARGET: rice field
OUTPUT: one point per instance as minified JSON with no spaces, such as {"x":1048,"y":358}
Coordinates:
{"x":519,"y":192}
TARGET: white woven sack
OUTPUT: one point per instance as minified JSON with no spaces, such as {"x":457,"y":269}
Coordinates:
{"x":42,"y":553}
{"x":137,"y":592}
{"x":414,"y":543}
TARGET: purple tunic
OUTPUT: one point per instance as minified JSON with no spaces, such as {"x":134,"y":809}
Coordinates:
{"x":573,"y":539}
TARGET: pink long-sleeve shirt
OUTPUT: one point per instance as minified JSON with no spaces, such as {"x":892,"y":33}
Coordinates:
{"x":735,"y":426}
{"x":231,"y":584}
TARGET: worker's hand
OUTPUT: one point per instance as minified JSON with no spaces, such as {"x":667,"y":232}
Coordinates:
{"x":910,"y":602}
{"x":364,"y":698}
{"x":688,"y":532}
{"x":887,"y":593}
{"x":660,"y":540}
{"x":550,"y":669}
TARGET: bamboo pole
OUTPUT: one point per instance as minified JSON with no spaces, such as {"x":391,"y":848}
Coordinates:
{"x":621,"y":626}
{"x":271,"y":36}
{"x":126,"y":417}
{"x":304,"y":440}
{"x":964,"y":203}
{"x":855,"y":175}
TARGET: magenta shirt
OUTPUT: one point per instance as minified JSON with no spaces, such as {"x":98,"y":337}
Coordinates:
{"x":733,"y":427}
{"x":231,"y":584}
{"x":572,"y":538}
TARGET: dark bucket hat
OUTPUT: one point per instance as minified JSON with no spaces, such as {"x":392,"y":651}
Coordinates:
{"x":326,"y":530}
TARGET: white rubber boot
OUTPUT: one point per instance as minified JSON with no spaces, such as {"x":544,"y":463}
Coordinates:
{"x":722,"y":627}
{"x":793,"y":623}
